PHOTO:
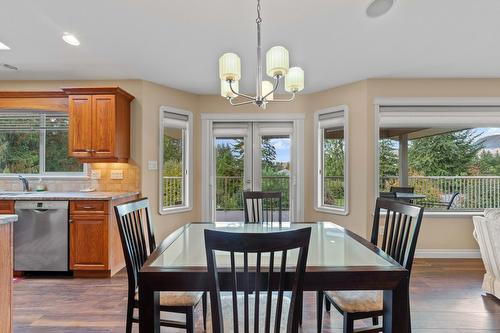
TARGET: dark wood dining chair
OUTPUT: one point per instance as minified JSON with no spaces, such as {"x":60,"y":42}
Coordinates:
{"x":255,"y":278}
{"x":138,"y":241}
{"x":399,"y":240}
{"x":261,"y":207}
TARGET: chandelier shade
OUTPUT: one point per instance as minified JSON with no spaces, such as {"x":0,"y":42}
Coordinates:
{"x":230,"y":67}
{"x":277,"y":61}
{"x":267,"y":90}
{"x":294,"y":80}
{"x":225,"y":89}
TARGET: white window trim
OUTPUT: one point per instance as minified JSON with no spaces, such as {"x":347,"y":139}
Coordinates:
{"x":188,"y":161}
{"x":207,"y":120}
{"x":318,"y":205}
{"x":379,"y":102}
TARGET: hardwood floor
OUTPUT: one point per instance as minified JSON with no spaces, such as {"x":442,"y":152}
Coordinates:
{"x":445,"y":298}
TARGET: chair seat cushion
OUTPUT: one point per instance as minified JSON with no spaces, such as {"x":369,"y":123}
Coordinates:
{"x":177,"y":298}
{"x":227,"y":311}
{"x":358,"y":301}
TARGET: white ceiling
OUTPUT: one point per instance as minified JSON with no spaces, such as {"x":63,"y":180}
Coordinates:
{"x":177,"y":42}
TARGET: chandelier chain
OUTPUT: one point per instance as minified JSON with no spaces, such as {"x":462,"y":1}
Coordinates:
{"x":259,"y":19}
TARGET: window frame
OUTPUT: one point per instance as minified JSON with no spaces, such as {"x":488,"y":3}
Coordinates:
{"x":319,"y":160}
{"x":485,"y":118}
{"x":187,"y":162}
{"x":42,"y":148}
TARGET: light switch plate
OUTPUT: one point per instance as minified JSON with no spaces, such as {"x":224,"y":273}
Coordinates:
{"x":95,"y":174}
{"x":152,"y":165}
{"x":116,"y":174}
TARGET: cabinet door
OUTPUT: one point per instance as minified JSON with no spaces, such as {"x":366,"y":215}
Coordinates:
{"x":89,"y":242}
{"x":80,"y":126}
{"x":103,"y":122}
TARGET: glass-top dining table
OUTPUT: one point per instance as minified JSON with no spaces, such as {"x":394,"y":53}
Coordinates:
{"x":337,"y":260}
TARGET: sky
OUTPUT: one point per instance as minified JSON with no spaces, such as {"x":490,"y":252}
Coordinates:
{"x":282,"y":147}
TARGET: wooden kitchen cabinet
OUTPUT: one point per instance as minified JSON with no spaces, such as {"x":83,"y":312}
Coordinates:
{"x":95,"y":245}
{"x":99,"y":124}
{"x":89,"y":242}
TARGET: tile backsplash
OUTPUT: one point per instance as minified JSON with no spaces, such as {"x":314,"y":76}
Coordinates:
{"x":130,"y":181}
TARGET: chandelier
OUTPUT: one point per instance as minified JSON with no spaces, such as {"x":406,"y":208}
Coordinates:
{"x":277,"y":67}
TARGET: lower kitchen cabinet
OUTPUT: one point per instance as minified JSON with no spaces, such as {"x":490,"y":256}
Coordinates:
{"x":95,"y":246}
{"x":88,"y":242}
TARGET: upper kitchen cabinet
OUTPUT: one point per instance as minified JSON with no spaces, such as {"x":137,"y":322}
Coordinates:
{"x":99,"y":124}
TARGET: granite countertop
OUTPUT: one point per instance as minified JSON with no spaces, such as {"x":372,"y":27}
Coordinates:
{"x":65,"y":195}
{"x":7,"y":218}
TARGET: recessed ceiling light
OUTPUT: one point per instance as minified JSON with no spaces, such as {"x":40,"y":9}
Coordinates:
{"x":3,"y":46}
{"x":379,"y":7}
{"x":70,"y":39}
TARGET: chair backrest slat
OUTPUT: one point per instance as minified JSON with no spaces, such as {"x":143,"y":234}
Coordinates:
{"x":401,"y":228}
{"x":261,"y":207}
{"x":257,"y":243}
{"x":135,"y":225}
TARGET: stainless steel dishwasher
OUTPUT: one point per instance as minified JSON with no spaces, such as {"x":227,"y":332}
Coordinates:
{"x":41,"y":236}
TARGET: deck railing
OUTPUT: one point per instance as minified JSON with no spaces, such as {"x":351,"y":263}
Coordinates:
{"x":229,"y":188}
{"x":173,"y":191}
{"x":476,"y":192}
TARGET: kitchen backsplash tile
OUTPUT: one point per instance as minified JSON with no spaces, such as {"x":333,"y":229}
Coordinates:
{"x":130,"y":181}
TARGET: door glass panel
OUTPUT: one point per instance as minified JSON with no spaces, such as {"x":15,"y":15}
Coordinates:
{"x":275,"y":163}
{"x":230,"y":173}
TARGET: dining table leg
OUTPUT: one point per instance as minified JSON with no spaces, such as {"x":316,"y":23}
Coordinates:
{"x":149,"y":308}
{"x":397,"y":309}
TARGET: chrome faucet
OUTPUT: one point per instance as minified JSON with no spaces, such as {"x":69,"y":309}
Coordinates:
{"x":26,"y":184}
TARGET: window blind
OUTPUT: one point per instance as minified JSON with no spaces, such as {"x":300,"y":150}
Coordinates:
{"x":175,"y":120}
{"x":32,"y":121}
{"x":332,"y":120}
{"x":443,"y":116}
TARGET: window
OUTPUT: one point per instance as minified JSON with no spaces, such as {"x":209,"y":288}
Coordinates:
{"x":175,"y":160}
{"x":448,"y":156}
{"x":331,"y":160}
{"x":36,"y":143}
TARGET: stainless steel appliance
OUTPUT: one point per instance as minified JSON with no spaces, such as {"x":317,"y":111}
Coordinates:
{"x":41,"y":236}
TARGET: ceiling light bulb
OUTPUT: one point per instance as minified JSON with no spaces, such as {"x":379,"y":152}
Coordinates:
{"x":229,"y":67}
{"x":70,"y":39}
{"x":379,"y":7}
{"x":3,"y":46}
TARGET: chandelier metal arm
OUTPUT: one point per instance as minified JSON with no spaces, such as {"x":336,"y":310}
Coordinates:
{"x":239,"y":94}
{"x":283,"y":100}
{"x":240,"y":103}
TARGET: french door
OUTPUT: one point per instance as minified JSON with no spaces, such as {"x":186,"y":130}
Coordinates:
{"x":251,"y":156}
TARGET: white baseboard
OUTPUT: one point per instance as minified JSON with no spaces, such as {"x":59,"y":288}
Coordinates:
{"x":448,"y":254}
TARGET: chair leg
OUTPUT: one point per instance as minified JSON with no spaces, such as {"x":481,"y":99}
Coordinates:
{"x":375,"y":321}
{"x":348,"y":323}
{"x":204,"y":305}
{"x":130,"y":315}
{"x":319,"y":310}
{"x":190,"y":320}
{"x":301,"y":308}
{"x":328,"y":305}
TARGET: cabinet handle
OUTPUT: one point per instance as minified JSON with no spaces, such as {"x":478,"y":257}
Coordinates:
{"x":88,"y":207}
{"x":70,"y":221}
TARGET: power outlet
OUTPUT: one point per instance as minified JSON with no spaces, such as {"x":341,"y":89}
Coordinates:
{"x":95,"y":174}
{"x":116,"y":174}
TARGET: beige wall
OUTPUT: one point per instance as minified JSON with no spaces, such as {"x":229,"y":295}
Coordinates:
{"x":437,"y":233}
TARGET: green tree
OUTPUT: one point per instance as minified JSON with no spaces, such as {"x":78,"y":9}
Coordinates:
{"x":389,"y":160}
{"x":450,"y":154}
